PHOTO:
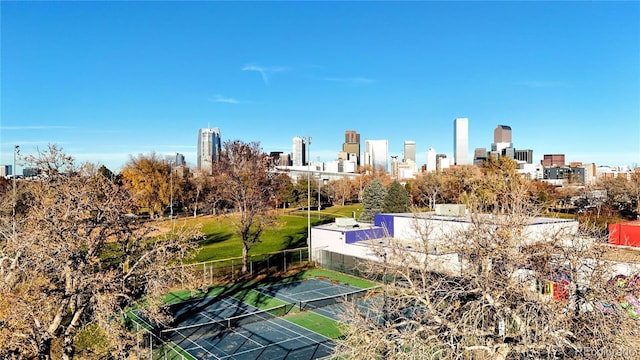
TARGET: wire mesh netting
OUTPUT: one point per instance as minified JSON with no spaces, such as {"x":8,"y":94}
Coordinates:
{"x":230,"y":322}
{"x":336,"y":299}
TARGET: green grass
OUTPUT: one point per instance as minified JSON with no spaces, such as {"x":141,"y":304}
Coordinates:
{"x":221,"y":242}
{"x":317,"y":323}
{"x":337,"y":276}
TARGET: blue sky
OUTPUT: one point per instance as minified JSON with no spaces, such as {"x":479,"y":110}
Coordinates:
{"x":106,"y":80}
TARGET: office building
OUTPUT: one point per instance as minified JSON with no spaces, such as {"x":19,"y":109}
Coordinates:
{"x":410,"y":150}
{"x":501,"y":140}
{"x":298,"y":156}
{"x":524,"y":156}
{"x":552,"y":160}
{"x":376,"y":154}
{"x":176,"y":159}
{"x":209,"y":148}
{"x":480,"y":155}
{"x":431,"y":163}
{"x":6,"y":170}
{"x":461,"y":141}
{"x":351,"y":145}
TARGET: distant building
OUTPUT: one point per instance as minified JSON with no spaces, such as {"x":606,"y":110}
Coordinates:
{"x":524,"y":156}
{"x":176,"y":159}
{"x":209,"y":148}
{"x":553,"y":160}
{"x":31,"y":172}
{"x":571,"y":175}
{"x":431,"y":163}
{"x":479,"y":156}
{"x":6,"y":170}
{"x":501,"y":139}
{"x":410,"y":150}
{"x":461,"y":141}
{"x":376,"y":154}
{"x":298,"y":155}
{"x":351,"y":145}
{"x":285,"y":160}
{"x":442,"y":162}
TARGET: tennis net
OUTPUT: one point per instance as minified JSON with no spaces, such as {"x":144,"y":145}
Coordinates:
{"x":230,"y":322}
{"x":335,"y":299}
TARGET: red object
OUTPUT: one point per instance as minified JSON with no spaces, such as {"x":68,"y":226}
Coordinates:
{"x":626,"y":233}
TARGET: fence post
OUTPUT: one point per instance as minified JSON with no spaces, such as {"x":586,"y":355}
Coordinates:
{"x":251,"y":265}
{"x":285,"y":261}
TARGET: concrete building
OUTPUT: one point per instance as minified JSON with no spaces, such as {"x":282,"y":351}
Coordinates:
{"x":209,"y":148}
{"x":6,"y":170}
{"x":349,"y":238}
{"x":552,"y":160}
{"x":461,"y":141}
{"x":410,"y":150}
{"x":525,"y":156}
{"x":376,"y":154}
{"x":501,"y":139}
{"x":480,"y":155}
{"x":298,"y":154}
{"x":431,"y":163}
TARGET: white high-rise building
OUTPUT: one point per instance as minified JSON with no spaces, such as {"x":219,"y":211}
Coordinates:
{"x":432,"y":161}
{"x":461,"y":141}
{"x":209,"y":147}
{"x":410,"y":150}
{"x":298,"y":154}
{"x":376,"y":154}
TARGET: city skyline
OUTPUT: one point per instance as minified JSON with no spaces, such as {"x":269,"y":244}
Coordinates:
{"x":110,"y":80}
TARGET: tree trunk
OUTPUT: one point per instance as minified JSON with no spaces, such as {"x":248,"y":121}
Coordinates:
{"x":245,"y":257}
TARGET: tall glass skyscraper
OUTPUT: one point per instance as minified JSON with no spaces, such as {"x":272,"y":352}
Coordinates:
{"x":376,"y":154}
{"x":209,"y":147}
{"x":461,"y":141}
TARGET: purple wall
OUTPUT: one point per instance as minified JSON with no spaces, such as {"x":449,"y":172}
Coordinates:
{"x":353,"y":236}
{"x":385,"y":221}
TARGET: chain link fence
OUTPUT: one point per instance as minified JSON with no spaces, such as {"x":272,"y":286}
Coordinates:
{"x":225,"y":270}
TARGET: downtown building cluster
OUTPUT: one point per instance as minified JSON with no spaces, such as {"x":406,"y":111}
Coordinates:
{"x":374,"y":154}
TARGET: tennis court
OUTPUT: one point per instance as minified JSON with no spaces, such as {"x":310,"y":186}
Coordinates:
{"x":227,"y":328}
{"x":323,"y":296}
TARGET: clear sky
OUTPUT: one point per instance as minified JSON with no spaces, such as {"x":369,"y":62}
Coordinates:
{"x":106,"y":80}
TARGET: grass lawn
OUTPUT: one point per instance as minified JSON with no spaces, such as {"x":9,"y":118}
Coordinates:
{"x":221,"y":242}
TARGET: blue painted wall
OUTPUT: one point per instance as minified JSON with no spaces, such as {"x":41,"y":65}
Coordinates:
{"x":384,"y":221}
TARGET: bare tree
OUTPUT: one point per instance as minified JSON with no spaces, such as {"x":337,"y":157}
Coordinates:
{"x":480,"y":295}
{"x":76,"y":260}
{"x":248,"y":183}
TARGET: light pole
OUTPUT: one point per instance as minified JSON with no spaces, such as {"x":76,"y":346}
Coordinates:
{"x":171,"y":188}
{"x":318,"y":196}
{"x":16,"y":150}
{"x":308,"y":148}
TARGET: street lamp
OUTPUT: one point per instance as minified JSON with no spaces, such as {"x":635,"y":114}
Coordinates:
{"x":171,"y":188}
{"x":308,"y":148}
{"x":16,"y":151}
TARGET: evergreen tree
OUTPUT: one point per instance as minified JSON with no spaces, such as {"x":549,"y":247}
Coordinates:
{"x":397,"y":199}
{"x":372,"y":200}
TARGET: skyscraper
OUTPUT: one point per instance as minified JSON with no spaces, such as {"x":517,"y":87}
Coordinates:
{"x":431,"y":160}
{"x":501,"y":139}
{"x":351,"y":145}
{"x":298,"y":154}
{"x":376,"y":154}
{"x":209,"y":147}
{"x":410,"y":150}
{"x":461,"y":141}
